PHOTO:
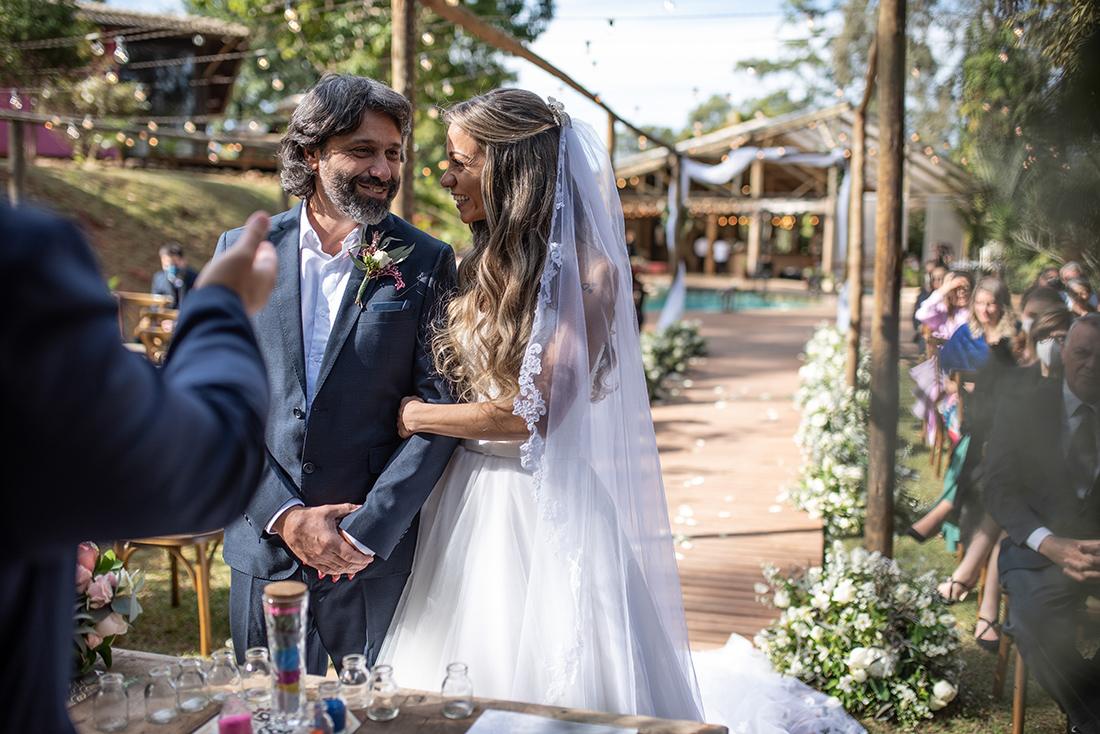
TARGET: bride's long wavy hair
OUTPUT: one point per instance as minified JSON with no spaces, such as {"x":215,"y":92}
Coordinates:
{"x":498,"y":282}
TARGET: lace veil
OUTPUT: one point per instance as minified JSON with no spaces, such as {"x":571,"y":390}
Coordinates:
{"x":603,"y":531}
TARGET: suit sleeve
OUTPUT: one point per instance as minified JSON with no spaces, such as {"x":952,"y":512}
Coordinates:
{"x":413,"y":470}
{"x":1003,"y":493}
{"x":106,"y":445}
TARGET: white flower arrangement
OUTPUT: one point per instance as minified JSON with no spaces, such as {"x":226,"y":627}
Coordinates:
{"x":832,"y":436}
{"x":667,"y":352}
{"x":865,"y":632}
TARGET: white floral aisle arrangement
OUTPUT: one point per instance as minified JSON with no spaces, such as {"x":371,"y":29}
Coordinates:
{"x":106,"y":604}
{"x":832,"y":436}
{"x":880,"y":641}
{"x":668,"y":352}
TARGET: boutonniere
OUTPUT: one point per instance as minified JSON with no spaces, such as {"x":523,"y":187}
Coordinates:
{"x":376,"y":261}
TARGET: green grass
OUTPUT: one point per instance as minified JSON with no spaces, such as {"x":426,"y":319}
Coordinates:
{"x":128,"y":214}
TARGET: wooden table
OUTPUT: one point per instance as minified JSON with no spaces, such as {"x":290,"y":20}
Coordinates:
{"x":420,"y":710}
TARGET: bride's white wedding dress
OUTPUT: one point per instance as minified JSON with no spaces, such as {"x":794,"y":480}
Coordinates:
{"x":466,"y":601}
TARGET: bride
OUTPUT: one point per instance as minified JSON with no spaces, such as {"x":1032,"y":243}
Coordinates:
{"x":545,"y":560}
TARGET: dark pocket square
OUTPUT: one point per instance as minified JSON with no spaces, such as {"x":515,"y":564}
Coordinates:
{"x":388,"y":305}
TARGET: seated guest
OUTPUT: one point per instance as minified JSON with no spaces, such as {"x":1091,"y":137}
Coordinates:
{"x":993,"y":322}
{"x":943,"y":312}
{"x":1041,"y":487}
{"x":933,"y":280}
{"x":175,"y":279}
{"x":1049,"y":278}
{"x":105,"y":445}
{"x":1042,"y":360}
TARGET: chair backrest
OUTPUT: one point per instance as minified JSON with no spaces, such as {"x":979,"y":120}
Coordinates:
{"x":962,"y":378}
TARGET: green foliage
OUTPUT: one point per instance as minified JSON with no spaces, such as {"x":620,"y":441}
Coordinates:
{"x":23,"y":21}
{"x":667,"y":352}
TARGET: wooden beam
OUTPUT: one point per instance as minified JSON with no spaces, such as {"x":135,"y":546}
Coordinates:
{"x":756,"y":185}
{"x":403,"y":61}
{"x":712,"y":235}
{"x":828,"y":226}
{"x":882,"y":436}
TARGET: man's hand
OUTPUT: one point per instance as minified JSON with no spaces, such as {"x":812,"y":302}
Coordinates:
{"x":248,"y":268}
{"x":1079,"y":559}
{"x":313,"y":535}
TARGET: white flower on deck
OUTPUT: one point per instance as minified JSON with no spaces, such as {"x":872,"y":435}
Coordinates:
{"x":943,"y":693}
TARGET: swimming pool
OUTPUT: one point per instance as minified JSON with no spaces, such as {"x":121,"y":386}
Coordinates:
{"x":709,"y":300}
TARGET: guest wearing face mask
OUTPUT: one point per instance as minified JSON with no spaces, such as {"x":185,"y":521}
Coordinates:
{"x":1035,"y":301}
{"x":175,"y":279}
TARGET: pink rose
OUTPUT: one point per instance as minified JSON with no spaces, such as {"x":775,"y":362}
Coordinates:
{"x":92,"y":640}
{"x":102,"y":590}
{"x":83,"y":579}
{"x":86,"y":555}
{"x":114,"y":624}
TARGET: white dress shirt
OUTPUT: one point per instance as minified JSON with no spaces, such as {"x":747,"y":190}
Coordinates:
{"x":1071,"y":421}
{"x":323,"y":279}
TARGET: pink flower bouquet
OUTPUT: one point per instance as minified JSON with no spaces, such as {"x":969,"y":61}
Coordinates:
{"x":106,"y":604}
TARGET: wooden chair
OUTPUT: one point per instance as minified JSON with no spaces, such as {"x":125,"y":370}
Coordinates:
{"x":1090,"y":614}
{"x":129,"y":310}
{"x":156,"y":343}
{"x":205,"y":545}
{"x":940,"y":439}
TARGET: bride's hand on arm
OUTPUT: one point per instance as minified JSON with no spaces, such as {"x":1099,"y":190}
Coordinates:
{"x":484,"y":421}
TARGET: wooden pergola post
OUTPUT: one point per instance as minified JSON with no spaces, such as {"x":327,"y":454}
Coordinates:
{"x":882,"y":436}
{"x":756,"y":224}
{"x":17,"y":162}
{"x":855,"y":220}
{"x":403,"y":60}
{"x":712,"y":235}
{"x":828,"y":226}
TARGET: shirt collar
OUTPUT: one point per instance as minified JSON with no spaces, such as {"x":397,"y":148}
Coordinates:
{"x":1072,"y":402}
{"x":309,"y":239}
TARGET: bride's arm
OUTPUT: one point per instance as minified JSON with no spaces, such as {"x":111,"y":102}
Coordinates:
{"x":484,"y":421}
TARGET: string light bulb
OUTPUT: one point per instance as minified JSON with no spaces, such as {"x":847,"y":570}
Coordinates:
{"x":72,"y":132}
{"x":14,"y":102}
{"x":448,"y":88}
{"x":262,"y":62}
{"x":111,"y":77}
{"x":427,"y":38}
{"x":277,"y":84}
{"x":87,"y":123}
{"x":95,"y":44}
{"x":121,"y":54}
{"x":198,"y":40}
{"x":189,"y":126}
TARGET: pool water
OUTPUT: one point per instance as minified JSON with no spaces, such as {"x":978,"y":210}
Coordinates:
{"x":708,"y":300}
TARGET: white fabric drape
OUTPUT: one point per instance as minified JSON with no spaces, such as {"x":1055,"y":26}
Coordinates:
{"x":737,"y":160}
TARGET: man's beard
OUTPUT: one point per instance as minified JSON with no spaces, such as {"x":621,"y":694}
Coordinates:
{"x":342,"y":189}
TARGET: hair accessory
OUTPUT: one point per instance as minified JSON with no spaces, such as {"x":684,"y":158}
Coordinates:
{"x":558,"y":110}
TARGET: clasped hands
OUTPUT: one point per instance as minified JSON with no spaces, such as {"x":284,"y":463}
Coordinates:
{"x":1079,"y":559}
{"x":314,"y":536}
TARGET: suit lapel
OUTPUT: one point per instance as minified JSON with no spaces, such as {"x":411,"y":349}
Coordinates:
{"x":287,"y":295}
{"x":349,"y":311}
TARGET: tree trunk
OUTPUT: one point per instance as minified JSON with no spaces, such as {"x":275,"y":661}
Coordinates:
{"x":403,"y":59}
{"x":882,"y":444}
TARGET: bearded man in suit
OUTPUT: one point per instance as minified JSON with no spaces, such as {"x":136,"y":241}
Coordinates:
{"x":1041,"y":487}
{"x":338,"y":501}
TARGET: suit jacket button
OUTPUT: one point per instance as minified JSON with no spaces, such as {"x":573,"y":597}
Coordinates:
{"x":308,"y":467}
{"x":299,"y":413}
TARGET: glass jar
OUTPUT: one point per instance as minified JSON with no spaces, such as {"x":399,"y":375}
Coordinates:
{"x":162,"y":701}
{"x":382,"y":694}
{"x":458,"y":692}
{"x":316,"y":719}
{"x":256,"y":676}
{"x":235,"y":718}
{"x":353,"y":680}
{"x":224,"y":678}
{"x":192,"y":685}
{"x":330,"y":694}
{"x":285,"y":607}
{"x":111,"y":704}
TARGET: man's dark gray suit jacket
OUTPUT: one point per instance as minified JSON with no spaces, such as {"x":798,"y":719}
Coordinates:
{"x":1027,"y":483}
{"x":349,"y":449}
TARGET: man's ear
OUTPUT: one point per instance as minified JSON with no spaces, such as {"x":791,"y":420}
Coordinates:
{"x":313,"y":157}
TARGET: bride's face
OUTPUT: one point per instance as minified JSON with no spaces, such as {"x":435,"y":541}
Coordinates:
{"x":463,"y":174}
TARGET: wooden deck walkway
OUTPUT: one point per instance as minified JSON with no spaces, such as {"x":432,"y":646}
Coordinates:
{"x":727,"y":448}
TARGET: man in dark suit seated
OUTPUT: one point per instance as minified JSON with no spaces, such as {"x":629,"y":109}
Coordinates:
{"x":1040,"y":485}
{"x":100,"y":443}
{"x":175,"y":279}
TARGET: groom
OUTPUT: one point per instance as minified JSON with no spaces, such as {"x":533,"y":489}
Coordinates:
{"x":339,"y":497}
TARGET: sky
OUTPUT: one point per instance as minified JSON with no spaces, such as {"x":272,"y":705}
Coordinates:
{"x":658,"y":60}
